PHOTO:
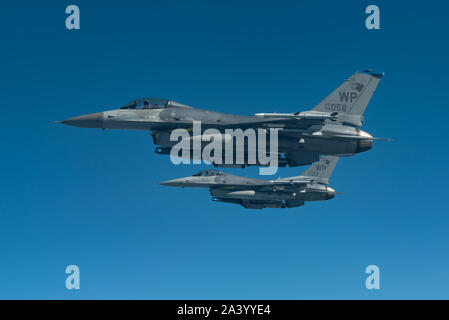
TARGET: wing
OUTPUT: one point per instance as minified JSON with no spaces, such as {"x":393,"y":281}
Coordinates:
{"x":283,"y":186}
{"x":289,"y":124}
{"x":284,"y":124}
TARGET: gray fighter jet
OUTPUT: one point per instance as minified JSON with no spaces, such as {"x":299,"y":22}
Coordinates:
{"x":330,"y":128}
{"x":251,"y":193}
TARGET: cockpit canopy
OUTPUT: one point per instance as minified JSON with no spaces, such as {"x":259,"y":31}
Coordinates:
{"x":152,"y":103}
{"x":208,"y":173}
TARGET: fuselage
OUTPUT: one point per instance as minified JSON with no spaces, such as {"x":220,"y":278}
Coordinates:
{"x":330,"y":139}
{"x":236,"y":189}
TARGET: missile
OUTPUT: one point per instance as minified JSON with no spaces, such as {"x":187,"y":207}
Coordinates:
{"x":311,"y":115}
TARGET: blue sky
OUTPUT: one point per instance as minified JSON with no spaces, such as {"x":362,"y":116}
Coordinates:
{"x":91,"y":198}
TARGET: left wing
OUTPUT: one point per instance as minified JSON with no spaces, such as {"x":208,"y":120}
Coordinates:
{"x":307,"y":121}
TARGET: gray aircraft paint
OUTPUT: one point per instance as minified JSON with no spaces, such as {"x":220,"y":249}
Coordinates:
{"x":331,"y":128}
{"x":252,"y":193}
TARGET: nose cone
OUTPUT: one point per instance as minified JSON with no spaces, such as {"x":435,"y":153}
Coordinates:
{"x":174,"y":183}
{"x":93,"y":120}
{"x":330,"y":193}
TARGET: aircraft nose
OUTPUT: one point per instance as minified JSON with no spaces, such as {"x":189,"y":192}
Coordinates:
{"x":330,"y":193}
{"x":92,"y":120}
{"x":364,"y":145}
{"x":173,"y":183}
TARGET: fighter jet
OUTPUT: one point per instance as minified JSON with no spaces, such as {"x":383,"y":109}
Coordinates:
{"x":330,"y":128}
{"x":251,"y":193}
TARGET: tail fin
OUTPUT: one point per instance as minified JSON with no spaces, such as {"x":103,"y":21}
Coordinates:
{"x":351,"y":98}
{"x":321,"y":170}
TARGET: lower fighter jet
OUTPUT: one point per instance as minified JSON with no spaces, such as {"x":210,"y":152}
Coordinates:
{"x":251,"y":193}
